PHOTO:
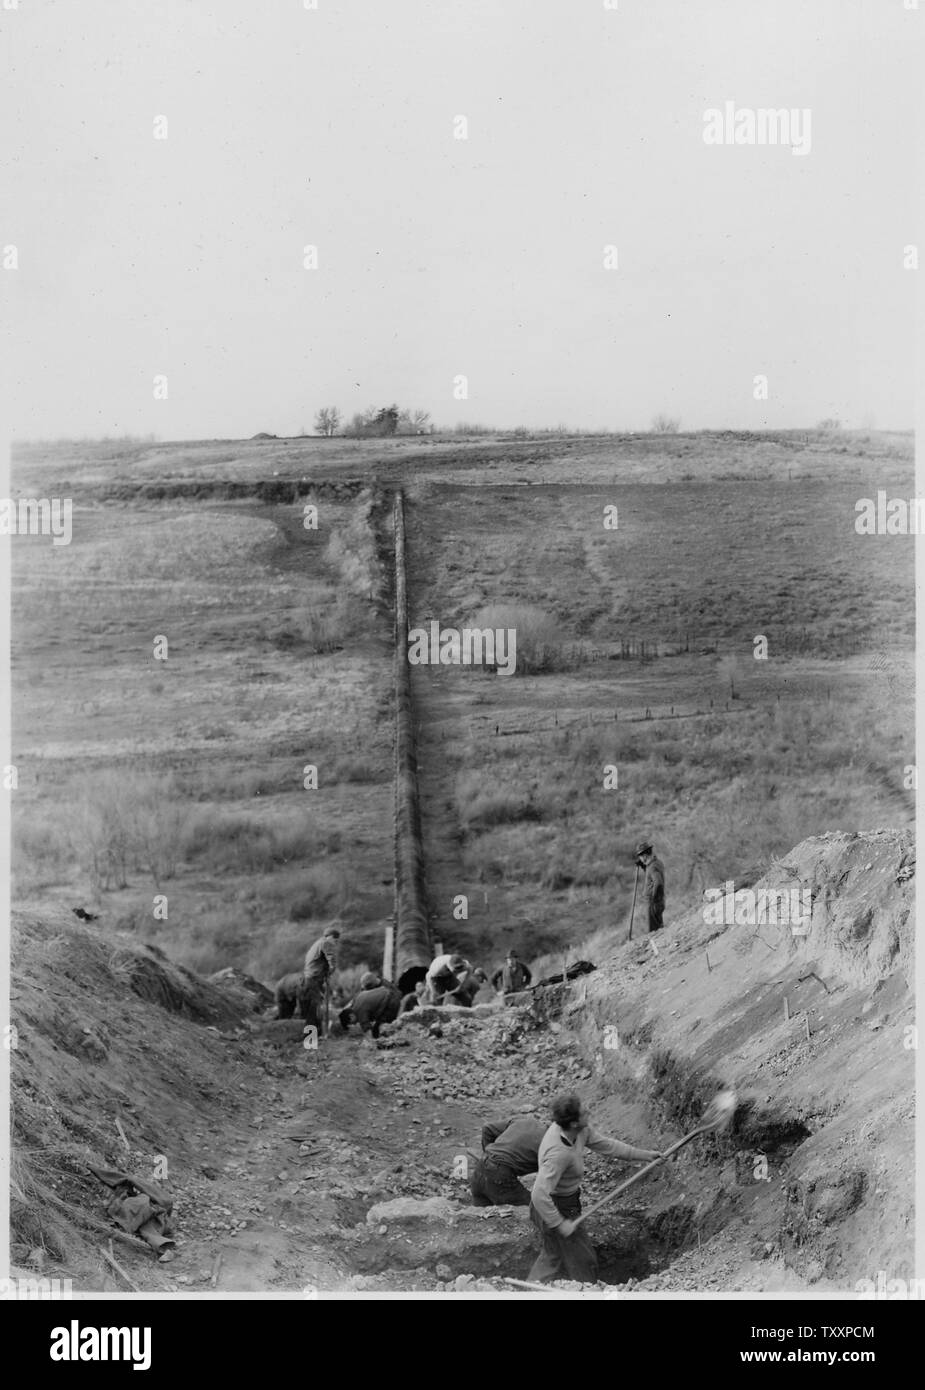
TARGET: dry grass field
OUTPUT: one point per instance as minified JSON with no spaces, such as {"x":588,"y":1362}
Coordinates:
{"x":184,"y":777}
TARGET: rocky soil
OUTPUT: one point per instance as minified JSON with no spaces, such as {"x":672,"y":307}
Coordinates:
{"x":345,"y":1168}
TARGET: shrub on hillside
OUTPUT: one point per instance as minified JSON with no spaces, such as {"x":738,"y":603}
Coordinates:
{"x":354,"y":769}
{"x":539,"y":643}
{"x":323,"y":890}
{"x":480,"y":806}
{"x":353,"y":553}
{"x":129,"y":820}
{"x":230,"y":783}
{"x":245,"y":844}
{"x":42,"y":847}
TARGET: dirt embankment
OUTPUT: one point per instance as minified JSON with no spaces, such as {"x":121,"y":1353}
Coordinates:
{"x":305,"y":1168}
{"x":813,"y":1026}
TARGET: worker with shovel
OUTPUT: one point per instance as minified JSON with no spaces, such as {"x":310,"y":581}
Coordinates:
{"x":320,"y":963}
{"x":555,"y":1204}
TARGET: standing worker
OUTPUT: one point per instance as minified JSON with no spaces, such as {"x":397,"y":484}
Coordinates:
{"x":513,"y":975}
{"x":653,"y":890}
{"x":556,"y":1201}
{"x":320,"y":962}
{"x":510,"y":1148}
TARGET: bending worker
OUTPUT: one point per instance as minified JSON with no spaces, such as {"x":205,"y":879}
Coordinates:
{"x":377,"y":1002}
{"x":555,"y":1203}
{"x":445,"y":978}
{"x":510,"y":1148}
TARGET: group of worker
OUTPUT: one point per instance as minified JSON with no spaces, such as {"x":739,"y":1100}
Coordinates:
{"x":450,"y":979}
{"x":519,"y":1145}
{"x":516,"y":1146}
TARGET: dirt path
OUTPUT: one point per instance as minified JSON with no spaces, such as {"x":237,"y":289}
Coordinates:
{"x":331,"y":1132}
{"x":335,"y":1131}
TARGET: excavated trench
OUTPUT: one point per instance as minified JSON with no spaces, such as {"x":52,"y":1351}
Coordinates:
{"x":672,"y":1211}
{"x":739,"y":1175}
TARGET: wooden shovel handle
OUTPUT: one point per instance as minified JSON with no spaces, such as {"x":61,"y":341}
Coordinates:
{"x":704,"y":1129}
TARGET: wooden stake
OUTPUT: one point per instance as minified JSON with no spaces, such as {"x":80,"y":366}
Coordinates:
{"x":709,"y":966}
{"x":540,"y":1288}
{"x":122,"y":1135}
{"x":116,"y":1266}
{"x":216,"y":1269}
{"x":786,"y":1009}
{"x":808,"y":1034}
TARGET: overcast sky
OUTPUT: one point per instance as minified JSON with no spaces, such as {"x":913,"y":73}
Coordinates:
{"x":440,"y":257}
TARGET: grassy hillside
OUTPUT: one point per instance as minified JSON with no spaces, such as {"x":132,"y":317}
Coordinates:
{"x":726,"y":760}
{"x":184,"y":777}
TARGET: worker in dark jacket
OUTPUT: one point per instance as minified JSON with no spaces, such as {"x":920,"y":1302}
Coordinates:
{"x":377,"y":1002}
{"x":513,"y":975}
{"x":510,"y":1149}
{"x":653,"y":890}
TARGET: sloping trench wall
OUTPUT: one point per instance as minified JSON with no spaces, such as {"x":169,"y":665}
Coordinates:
{"x":811,"y":1030}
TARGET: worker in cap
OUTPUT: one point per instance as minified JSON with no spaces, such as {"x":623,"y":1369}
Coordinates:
{"x":320,"y":964}
{"x":513,"y":975}
{"x":653,"y":890}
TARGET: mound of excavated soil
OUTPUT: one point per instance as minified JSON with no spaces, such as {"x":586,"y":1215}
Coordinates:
{"x":108,"y":1034}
